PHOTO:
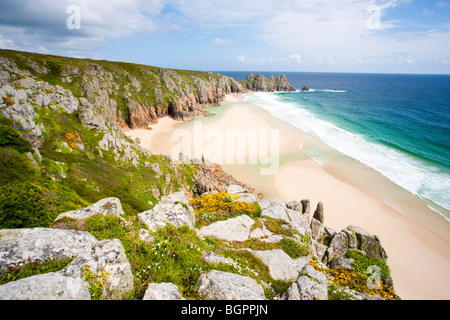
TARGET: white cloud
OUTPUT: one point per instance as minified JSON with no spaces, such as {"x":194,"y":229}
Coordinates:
{"x":442,"y":4}
{"x":326,"y":32}
{"x":221,"y":41}
{"x":291,"y":59}
{"x":31,"y":24}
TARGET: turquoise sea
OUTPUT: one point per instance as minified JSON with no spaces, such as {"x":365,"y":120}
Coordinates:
{"x":397,"y":124}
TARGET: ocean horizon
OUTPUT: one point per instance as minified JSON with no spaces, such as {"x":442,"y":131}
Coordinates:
{"x":396,"y":124}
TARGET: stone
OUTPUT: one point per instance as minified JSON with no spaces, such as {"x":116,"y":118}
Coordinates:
{"x":312,"y":284}
{"x":352,"y":240}
{"x":281,"y":266}
{"x":317,"y":229}
{"x":368,"y":243}
{"x":295,"y":205}
{"x":274,"y":208}
{"x":218,"y":285}
{"x":318,"y":249}
{"x":146,"y":236}
{"x":49,"y":286}
{"x":108,"y":206}
{"x":162,"y":291}
{"x":234,"y":229}
{"x":177,"y":214}
{"x":318,"y":214}
{"x":259,"y":233}
{"x":214,"y":258}
{"x":109,"y":256}
{"x":175,"y":197}
{"x":342,"y":263}
{"x":338,"y":247}
{"x":42,"y":243}
{"x":298,"y":221}
{"x":242,"y":193}
{"x":273,"y":239}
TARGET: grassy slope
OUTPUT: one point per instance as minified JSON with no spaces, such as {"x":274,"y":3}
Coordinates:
{"x":89,"y":176}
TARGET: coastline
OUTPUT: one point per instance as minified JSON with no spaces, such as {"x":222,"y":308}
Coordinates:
{"x":418,"y":257}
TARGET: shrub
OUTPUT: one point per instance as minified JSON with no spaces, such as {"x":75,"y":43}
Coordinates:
{"x":8,"y":101}
{"x":10,"y":137}
{"x":28,"y":268}
{"x":97,"y":282}
{"x":293,"y":248}
{"x":219,"y":206}
{"x":362,"y":263}
{"x":14,"y":167}
{"x":25,"y":205}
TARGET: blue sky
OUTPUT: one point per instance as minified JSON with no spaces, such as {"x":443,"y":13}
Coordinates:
{"x":392,"y":36}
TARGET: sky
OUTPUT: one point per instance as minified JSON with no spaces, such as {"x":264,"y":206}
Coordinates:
{"x":381,"y":36}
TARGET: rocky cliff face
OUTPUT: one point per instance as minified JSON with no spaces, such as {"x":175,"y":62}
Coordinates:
{"x":129,"y":95}
{"x":261,"y":83}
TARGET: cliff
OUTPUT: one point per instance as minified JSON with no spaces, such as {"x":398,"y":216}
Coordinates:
{"x":261,"y":83}
{"x":86,"y":213}
{"x":132,"y":95}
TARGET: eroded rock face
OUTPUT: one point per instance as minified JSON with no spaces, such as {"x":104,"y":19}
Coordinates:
{"x":49,"y":286}
{"x":218,"y":285}
{"x":261,"y":83}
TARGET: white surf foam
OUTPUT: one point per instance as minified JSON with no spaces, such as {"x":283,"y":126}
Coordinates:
{"x":406,"y":171}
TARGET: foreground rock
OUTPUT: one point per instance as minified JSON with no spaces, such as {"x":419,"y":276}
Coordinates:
{"x":162,"y":291}
{"x":173,"y":209}
{"x":310,"y":285}
{"x":281,"y":266}
{"x":109,"y":206}
{"x":22,"y":244}
{"x":277,"y":209}
{"x":218,"y":285}
{"x":106,"y":256}
{"x":234,"y":229}
{"x":243,"y":194}
{"x":50,"y":286}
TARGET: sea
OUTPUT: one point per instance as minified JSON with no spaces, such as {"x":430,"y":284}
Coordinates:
{"x":396,"y":124}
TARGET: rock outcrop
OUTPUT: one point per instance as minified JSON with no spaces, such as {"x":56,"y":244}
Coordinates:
{"x":281,"y":266}
{"x":162,"y":291}
{"x":218,"y":285}
{"x":261,"y":83}
{"x":172,"y":209}
{"x":310,"y":285}
{"x":234,"y":229}
{"x":50,"y":286}
{"x":109,"y":206}
{"x":41,"y":244}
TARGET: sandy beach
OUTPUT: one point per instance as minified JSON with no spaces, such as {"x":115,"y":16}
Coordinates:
{"x":416,"y":239}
